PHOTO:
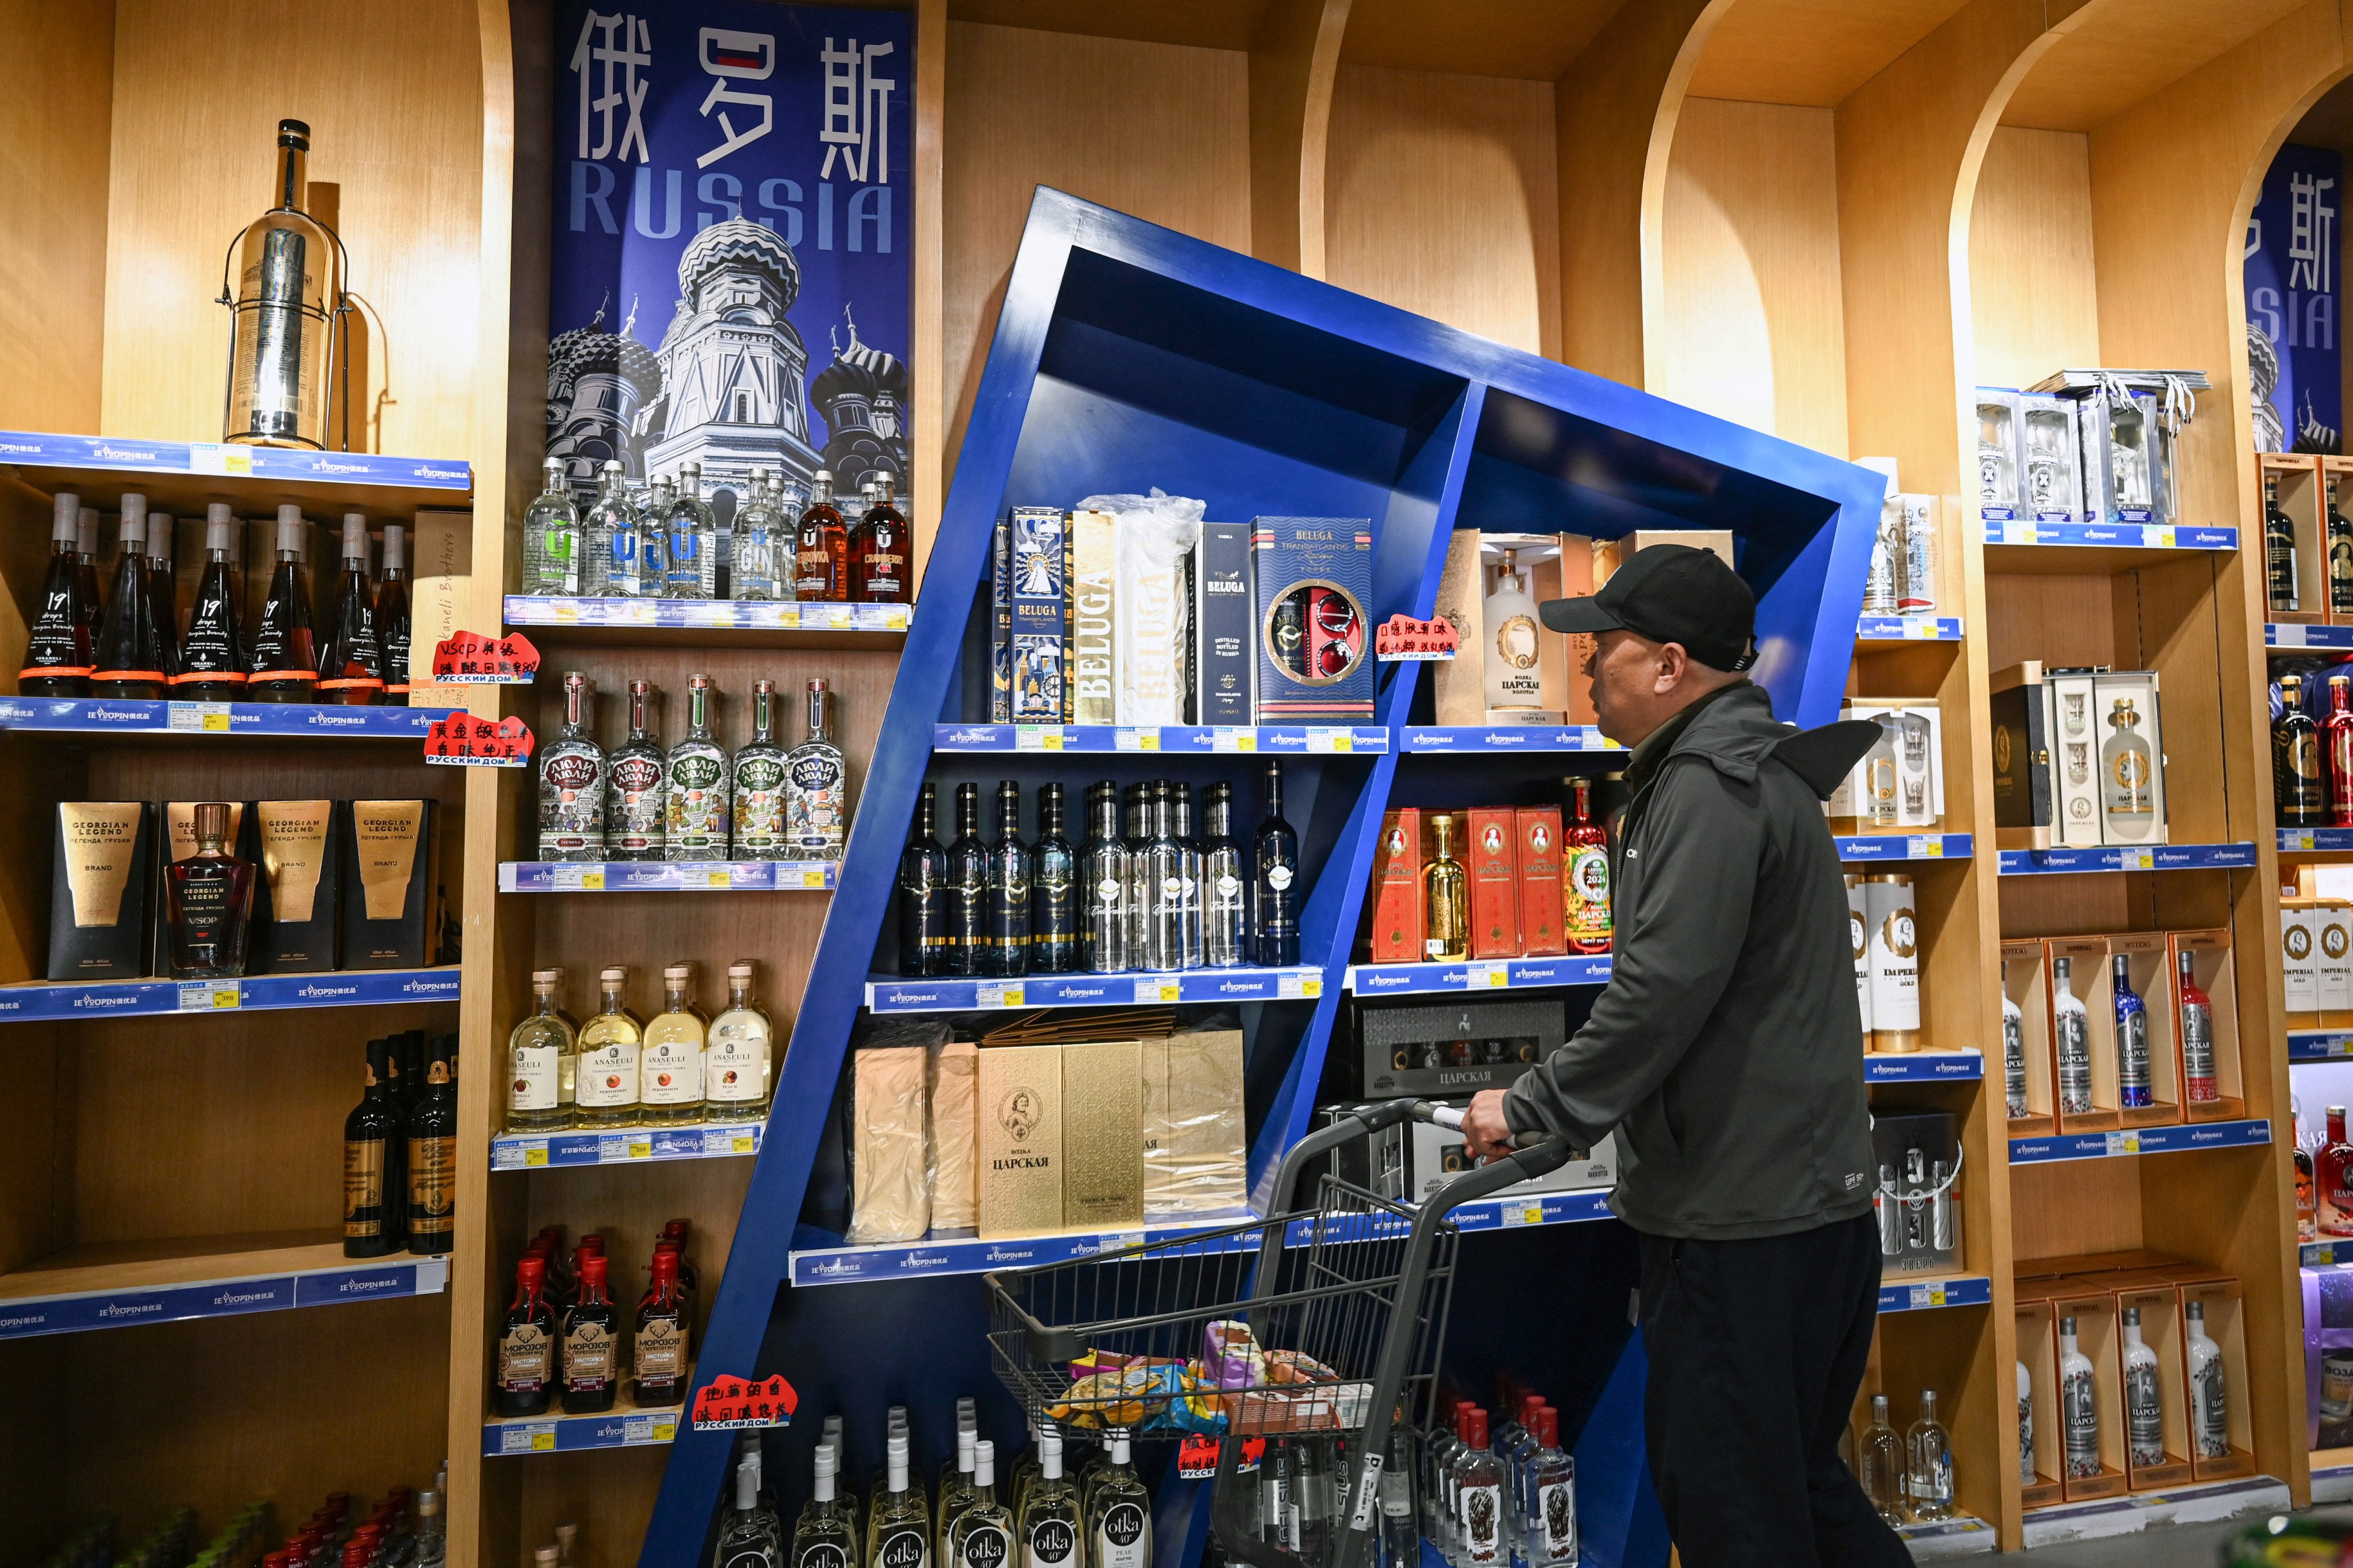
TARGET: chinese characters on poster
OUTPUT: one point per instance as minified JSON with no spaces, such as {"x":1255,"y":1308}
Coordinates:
{"x":2292,"y":296}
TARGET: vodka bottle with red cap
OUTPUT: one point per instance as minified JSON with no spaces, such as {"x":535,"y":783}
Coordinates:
{"x":1548,"y":1525}
{"x":1480,"y":1497}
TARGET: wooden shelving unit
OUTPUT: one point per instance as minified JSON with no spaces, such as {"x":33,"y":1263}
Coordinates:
{"x":1828,"y":221}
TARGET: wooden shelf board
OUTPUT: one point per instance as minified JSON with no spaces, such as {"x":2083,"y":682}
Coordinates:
{"x":191,"y":1261}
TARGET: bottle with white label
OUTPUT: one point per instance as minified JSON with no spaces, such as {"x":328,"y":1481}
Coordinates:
{"x":737,"y":1063}
{"x":1858,"y":923}
{"x":1510,"y":657}
{"x":1928,"y":1485}
{"x":1894,"y":962}
{"x":2210,"y":1405}
{"x":2078,"y":1405}
{"x":607,"y":1082}
{"x":1119,"y":1513}
{"x":2070,"y":1034}
{"x":2025,"y":1427}
{"x":2144,"y":1404}
{"x":1479,"y":1500}
{"x":822,"y":1536}
{"x":2013,"y":1057}
{"x":981,"y":1535}
{"x":902,"y":1535}
{"x":541,"y":1053}
{"x":1549,"y":1533}
{"x":1049,"y":1522}
{"x":671,"y":1061}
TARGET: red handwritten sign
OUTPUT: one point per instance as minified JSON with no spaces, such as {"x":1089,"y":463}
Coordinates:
{"x":1196,"y":1456}
{"x":731,"y":1403}
{"x":1403,"y":639}
{"x":471,"y":659}
{"x":463,"y":741}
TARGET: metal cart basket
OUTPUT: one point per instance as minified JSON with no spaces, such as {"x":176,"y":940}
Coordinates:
{"x":1321,"y":1320}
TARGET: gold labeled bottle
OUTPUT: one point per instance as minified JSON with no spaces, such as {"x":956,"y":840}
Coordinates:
{"x":738,"y":1063}
{"x":539,"y":1082}
{"x":670,"y":1064}
{"x":607,"y":1086}
{"x":2129,"y":793}
{"x":1446,"y":929}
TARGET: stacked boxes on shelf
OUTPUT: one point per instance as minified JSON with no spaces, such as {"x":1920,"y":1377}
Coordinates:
{"x":2316,"y":962}
{"x":1490,"y":882}
{"x":2078,"y":757}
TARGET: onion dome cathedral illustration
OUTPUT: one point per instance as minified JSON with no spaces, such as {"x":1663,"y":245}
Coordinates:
{"x":729,"y":385}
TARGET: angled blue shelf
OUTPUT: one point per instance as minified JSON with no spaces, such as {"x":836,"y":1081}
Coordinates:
{"x":110,"y":1288}
{"x":100,"y":716}
{"x":151,"y":998}
{"x":2319,"y":1044}
{"x":1496,"y":739}
{"x":2290,"y":637}
{"x":1901,"y":1295}
{"x":1167,"y":739}
{"x":2142,"y":1141}
{"x":1124,"y":356}
{"x":1476,"y":974}
{"x":2315,"y":840}
{"x":626,"y":1426}
{"x":1908,"y":628}
{"x":666,"y":876}
{"x":1922,"y":1066}
{"x":1906,"y":847}
{"x":888,"y":994}
{"x":2109,"y":858}
{"x":2110,"y":535}
{"x":528,"y":610}
{"x":626,"y":1146}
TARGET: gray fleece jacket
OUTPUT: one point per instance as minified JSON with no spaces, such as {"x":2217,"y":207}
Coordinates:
{"x":1726,"y":1050}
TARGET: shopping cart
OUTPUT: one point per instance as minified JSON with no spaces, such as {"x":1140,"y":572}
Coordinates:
{"x":1316,"y":1322}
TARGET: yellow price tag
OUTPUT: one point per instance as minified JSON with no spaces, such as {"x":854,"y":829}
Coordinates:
{"x":542,"y":1442}
{"x":666,"y":1431}
{"x":641,"y":1149}
{"x":745,"y":1143}
{"x":1312,"y":988}
{"x":228,"y":997}
{"x":723,"y":879}
{"x":534,"y":1155}
{"x":592,"y":881}
{"x":813,"y":879}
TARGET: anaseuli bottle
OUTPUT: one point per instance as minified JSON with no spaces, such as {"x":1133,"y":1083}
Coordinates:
{"x":551,"y":537}
{"x":2078,"y":1405}
{"x":610,"y":1043}
{"x":1930,"y":1485}
{"x":1119,"y":1513}
{"x":542,"y":1055}
{"x":981,"y":1534}
{"x":1049,"y":1520}
{"x":57,"y":657}
{"x":760,"y":783}
{"x":1879,"y":1460}
{"x":670,"y":1063}
{"x":744,"y":1539}
{"x":737,"y":1064}
{"x":2144,"y":1407}
{"x":823,"y":1536}
{"x":285,"y":648}
{"x":696,"y":787}
{"x":2133,"y":1087}
{"x":2071,"y":1035}
{"x":900,"y":1536}
{"x":690,"y":538}
{"x":634,"y":776}
{"x":2210,"y":1406}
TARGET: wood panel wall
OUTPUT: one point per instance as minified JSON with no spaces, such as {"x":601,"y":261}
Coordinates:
{"x":57,"y":125}
{"x":2034,"y":294}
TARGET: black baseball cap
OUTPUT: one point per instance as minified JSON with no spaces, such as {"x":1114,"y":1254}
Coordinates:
{"x":1671,"y":592}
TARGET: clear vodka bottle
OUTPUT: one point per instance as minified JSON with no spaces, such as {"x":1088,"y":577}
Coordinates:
{"x":608,"y":537}
{"x":816,"y":786}
{"x":1930,"y":1484}
{"x":1881,"y":1468}
{"x":902,"y":1535}
{"x":2079,"y":1404}
{"x":1225,"y":882}
{"x":689,"y":539}
{"x":1548,"y":1537}
{"x":650,"y":508}
{"x":2013,"y":1057}
{"x":551,"y":537}
{"x":980,"y":1533}
{"x":1180,"y":813}
{"x":634,"y":776}
{"x":758,"y":530}
{"x":2144,"y":1403}
{"x":743,"y":1537}
{"x":695,"y":785}
{"x":1165,"y":862}
{"x":572,"y":777}
{"x":1050,"y":1525}
{"x":1479,"y":1491}
{"x":2072,"y":1039}
{"x":2025,"y":1427}
{"x":1136,"y":805}
{"x":1400,"y":1530}
{"x":1102,"y":886}
{"x":2210,"y":1405}
{"x":760,"y":773}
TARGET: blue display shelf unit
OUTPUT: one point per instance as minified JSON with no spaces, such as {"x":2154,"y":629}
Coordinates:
{"x":2319,"y":1044}
{"x":183,"y":475}
{"x":2315,"y":840}
{"x":666,"y":876}
{"x":1901,"y":1295}
{"x":1908,"y":628}
{"x":1168,"y":740}
{"x":887,"y":994}
{"x":1476,"y":974}
{"x":2137,"y":1141}
{"x":2291,"y":638}
{"x":625,"y":1146}
{"x":114,"y":1287}
{"x":255,"y":993}
{"x":1906,"y":846}
{"x":2111,"y":858}
{"x":96,"y":716}
{"x":626,"y":1426}
{"x":1124,"y":356}
{"x":1499,"y":739}
{"x":1922,"y":1066}
{"x":703,"y":614}
{"x":2111,"y":535}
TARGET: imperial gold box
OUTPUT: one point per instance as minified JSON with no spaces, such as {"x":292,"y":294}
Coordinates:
{"x":1019,"y":1105}
{"x":388,"y":884}
{"x":296,"y":910}
{"x":1103,"y":1134}
{"x":102,"y":878}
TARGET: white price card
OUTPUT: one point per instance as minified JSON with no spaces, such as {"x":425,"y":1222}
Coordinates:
{"x":1920,"y":627}
{"x":530,"y":1437}
{"x":2340,"y":1044}
{"x":519,"y":1154}
{"x":731,"y":1141}
{"x":1328,"y":739}
{"x":1233,"y":738}
{"x":1156,"y":991}
{"x":208,"y":997}
{"x":1000,"y":995}
{"x":2297,"y":838}
{"x":1036,"y":737}
{"x":841,"y":617}
{"x":1528,"y":1211}
{"x":1490,"y":974}
{"x":894,"y":617}
{"x":198,"y":717}
{"x":579,"y":878}
{"x":2123,"y":1144}
{"x":1927,"y":1295}
{"x":2137,"y":860}
{"x":1127,"y":740}
{"x":220,"y":457}
{"x":2157,"y":537}
{"x":2284,"y":636}
{"x":1925,"y":846}
{"x":1294,"y":984}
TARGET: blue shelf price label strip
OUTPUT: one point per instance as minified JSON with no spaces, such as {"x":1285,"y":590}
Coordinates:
{"x":1906,"y":846}
{"x":539,"y":1151}
{"x":1511,"y":1212}
{"x":2318,"y":1044}
{"x":1902,"y":1296}
{"x":2291,"y":636}
{"x":1180,"y":740}
{"x":97,"y":716}
{"x":1477,"y":975}
{"x":1547,"y":738}
{"x":2111,"y":535}
{"x":667,"y":876}
{"x":571,"y":1433}
{"x":2113,"y":857}
{"x":1922,"y":1066}
{"x":705,"y":615}
{"x":1907,"y":628}
{"x":2323,"y":1253}
{"x":886,"y":994}
{"x":2139,"y":1140}
{"x":2299,"y":840}
{"x":31,"y":448}
{"x":970,"y":1255}
{"x":340,"y":988}
{"x":78,"y":1311}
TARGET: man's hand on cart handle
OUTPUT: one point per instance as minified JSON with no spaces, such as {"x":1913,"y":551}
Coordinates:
{"x":1485,"y":1133}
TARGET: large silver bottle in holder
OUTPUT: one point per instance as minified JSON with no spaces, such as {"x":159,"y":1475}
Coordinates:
{"x":286,"y":305}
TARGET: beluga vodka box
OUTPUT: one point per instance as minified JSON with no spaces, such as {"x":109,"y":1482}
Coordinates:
{"x":1313,"y":591}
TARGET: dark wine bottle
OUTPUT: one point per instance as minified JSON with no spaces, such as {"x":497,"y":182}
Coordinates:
{"x":1007,"y":952}
{"x":2299,"y":779}
{"x":1054,"y":908}
{"x":375,"y":1125}
{"x":164,"y":591}
{"x":526,"y":1375}
{"x":659,"y":1352}
{"x":923,"y":893}
{"x":350,"y":669}
{"x":285,"y":647}
{"x":127,"y":665}
{"x":592,"y":1333}
{"x":86,"y":563}
{"x":967,"y":895}
{"x":392,"y":615}
{"x":212,"y":655}
{"x":56,"y":655}
{"x":1274,"y":891}
{"x":433,"y":1156}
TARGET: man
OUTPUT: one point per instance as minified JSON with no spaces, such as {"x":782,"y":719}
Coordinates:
{"x":1727,"y":1054}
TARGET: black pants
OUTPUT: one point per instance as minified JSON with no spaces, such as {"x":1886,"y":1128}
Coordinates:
{"x":1756,"y":1349}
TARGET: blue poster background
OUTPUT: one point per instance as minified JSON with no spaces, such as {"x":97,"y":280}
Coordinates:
{"x":730,"y":267}
{"x":2293,"y":290}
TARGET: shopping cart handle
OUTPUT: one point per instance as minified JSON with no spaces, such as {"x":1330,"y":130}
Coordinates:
{"x":1450,"y":1118}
